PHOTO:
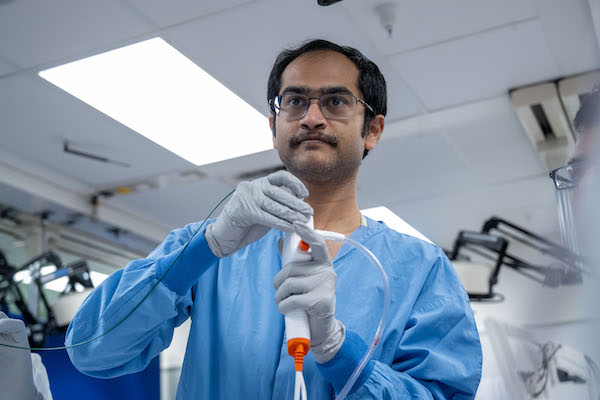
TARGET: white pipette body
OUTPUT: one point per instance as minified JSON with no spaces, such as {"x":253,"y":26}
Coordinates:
{"x":296,"y":322}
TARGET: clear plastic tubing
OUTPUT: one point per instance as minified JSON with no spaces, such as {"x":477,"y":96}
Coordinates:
{"x":384,"y":315}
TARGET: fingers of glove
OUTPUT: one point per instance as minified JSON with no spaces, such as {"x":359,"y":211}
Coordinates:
{"x":2,"y":315}
{"x":307,"y":268}
{"x":274,"y":222}
{"x":296,"y":286}
{"x":11,"y":325}
{"x":315,"y":304}
{"x":317,"y":244}
{"x":280,"y":211}
{"x":284,"y":178}
{"x":282,"y":196}
{"x":13,"y":331}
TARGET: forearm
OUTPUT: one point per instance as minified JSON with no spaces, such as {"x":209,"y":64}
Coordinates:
{"x":384,"y":383}
{"x":380,"y":381}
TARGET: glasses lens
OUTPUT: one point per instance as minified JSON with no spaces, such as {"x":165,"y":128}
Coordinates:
{"x":569,"y":176}
{"x":293,"y":105}
{"x":338,"y":105}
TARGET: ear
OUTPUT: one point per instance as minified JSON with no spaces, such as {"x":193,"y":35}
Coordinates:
{"x":375,"y":132}
{"x":272,"y":127}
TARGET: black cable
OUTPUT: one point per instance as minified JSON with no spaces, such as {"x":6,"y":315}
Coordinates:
{"x":545,"y":361}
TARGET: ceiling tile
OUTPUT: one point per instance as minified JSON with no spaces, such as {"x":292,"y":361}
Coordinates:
{"x":441,"y":218}
{"x":570,"y":33}
{"x":477,"y":67}
{"x":497,"y":147}
{"x":242,"y":61}
{"x":37,"y":117}
{"x":526,"y":193}
{"x":165,"y":13}
{"x":412,"y":167}
{"x":28,"y":203}
{"x":176,"y":206}
{"x":6,"y":68}
{"x":540,"y":219}
{"x":421,"y":23}
{"x":37,"y":32}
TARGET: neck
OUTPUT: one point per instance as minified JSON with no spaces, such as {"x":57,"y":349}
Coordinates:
{"x":335,"y":206}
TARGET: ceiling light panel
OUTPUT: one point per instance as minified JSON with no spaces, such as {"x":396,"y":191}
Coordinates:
{"x":156,"y":91}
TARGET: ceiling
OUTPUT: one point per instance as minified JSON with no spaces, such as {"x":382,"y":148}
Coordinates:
{"x":442,"y":57}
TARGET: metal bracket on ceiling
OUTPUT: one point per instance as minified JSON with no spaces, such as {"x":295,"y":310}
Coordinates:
{"x":79,"y":153}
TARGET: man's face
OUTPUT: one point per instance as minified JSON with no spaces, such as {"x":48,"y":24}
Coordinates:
{"x":316,"y":148}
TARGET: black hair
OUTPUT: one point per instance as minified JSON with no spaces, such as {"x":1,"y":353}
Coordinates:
{"x":370,"y":80}
{"x":588,"y":115}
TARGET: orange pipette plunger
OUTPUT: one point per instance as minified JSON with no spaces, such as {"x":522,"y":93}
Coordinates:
{"x":298,"y":347}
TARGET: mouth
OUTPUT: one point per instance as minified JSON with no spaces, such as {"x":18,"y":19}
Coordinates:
{"x":313,"y":140}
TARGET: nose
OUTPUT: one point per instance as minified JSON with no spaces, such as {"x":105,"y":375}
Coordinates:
{"x":314,"y":118}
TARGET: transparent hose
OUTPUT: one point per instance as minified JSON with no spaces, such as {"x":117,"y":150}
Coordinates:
{"x":384,"y":315}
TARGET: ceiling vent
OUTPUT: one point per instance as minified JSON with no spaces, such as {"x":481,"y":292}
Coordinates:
{"x":547,"y":111}
{"x":573,"y":91}
{"x":542,"y":115}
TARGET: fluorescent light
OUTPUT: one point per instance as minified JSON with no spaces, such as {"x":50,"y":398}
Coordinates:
{"x":57,"y":285}
{"x":97,"y":277}
{"x":393,"y":221}
{"x":156,"y":91}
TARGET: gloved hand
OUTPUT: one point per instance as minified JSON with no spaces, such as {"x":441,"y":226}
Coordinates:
{"x":16,"y":376}
{"x":310,"y":287}
{"x":254,"y":209}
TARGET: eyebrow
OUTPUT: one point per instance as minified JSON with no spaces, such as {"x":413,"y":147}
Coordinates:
{"x":324,"y":90}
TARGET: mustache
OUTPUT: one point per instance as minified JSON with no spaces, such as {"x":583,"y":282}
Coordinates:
{"x":318,"y":135}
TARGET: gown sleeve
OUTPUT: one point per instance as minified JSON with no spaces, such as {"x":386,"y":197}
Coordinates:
{"x":127,"y":335}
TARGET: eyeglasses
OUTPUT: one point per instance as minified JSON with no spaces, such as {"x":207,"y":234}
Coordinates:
{"x":334,"y":105}
{"x":569,"y":176}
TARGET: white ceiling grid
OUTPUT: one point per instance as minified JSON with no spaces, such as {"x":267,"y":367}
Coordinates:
{"x":42,"y":117}
{"x":442,"y":54}
{"x":570,"y":33}
{"x":244,"y":64}
{"x":435,"y":21}
{"x":34,"y":32}
{"x":479,"y":66}
{"x":167,"y":13}
{"x":497,"y":148}
{"x":6,"y":68}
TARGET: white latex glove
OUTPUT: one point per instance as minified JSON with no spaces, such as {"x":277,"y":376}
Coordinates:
{"x":16,"y":374}
{"x":254,"y":209}
{"x":310,"y":286}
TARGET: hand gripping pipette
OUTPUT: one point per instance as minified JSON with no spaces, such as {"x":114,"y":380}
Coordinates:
{"x":297,"y":328}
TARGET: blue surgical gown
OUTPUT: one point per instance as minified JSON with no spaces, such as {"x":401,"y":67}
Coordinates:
{"x":236,"y":347}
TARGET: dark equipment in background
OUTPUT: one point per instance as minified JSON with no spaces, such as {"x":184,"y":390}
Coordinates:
{"x":39,"y":328}
{"x":492,"y":244}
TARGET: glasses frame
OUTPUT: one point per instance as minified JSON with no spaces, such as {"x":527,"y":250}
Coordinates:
{"x":554,"y":175}
{"x":277,"y":110}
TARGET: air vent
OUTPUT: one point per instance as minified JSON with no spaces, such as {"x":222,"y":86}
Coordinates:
{"x":545,"y":122}
{"x":573,"y":91}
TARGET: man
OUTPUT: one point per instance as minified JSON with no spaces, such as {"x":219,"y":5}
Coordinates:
{"x":574,"y":181}
{"x":328,"y":105}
